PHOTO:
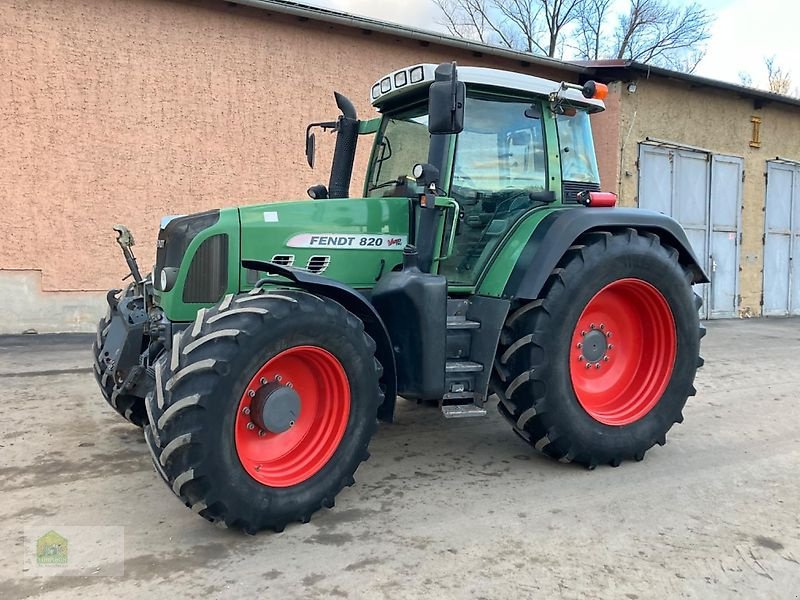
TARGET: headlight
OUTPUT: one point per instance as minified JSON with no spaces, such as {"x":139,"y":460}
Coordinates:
{"x":167,"y":278}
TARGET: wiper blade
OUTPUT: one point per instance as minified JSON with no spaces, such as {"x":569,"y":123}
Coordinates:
{"x":398,"y":181}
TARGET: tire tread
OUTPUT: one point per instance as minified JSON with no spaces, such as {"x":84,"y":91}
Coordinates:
{"x":523,"y":398}
{"x":174,"y":436}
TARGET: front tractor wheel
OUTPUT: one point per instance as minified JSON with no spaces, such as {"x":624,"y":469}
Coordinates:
{"x":600,"y":367}
{"x":272,"y":404}
{"x":264,"y":409}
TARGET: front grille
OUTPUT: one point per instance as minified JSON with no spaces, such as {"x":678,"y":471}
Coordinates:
{"x":207,"y":278}
{"x":175,"y":237}
{"x":571,"y":189}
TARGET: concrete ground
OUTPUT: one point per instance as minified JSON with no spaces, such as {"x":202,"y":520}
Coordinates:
{"x":443,"y":509}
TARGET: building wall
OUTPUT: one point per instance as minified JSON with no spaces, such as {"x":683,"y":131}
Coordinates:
{"x":718,"y":121}
{"x":121,"y":111}
{"x":606,"y":133}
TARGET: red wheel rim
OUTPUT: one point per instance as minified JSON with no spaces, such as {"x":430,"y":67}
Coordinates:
{"x":623,"y":352}
{"x":297,"y":454}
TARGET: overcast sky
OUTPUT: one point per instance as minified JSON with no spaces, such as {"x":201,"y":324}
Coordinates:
{"x":745,"y":31}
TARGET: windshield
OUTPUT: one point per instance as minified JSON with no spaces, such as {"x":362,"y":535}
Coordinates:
{"x":402,"y":142}
{"x":578,"y":161}
{"x":501,"y":148}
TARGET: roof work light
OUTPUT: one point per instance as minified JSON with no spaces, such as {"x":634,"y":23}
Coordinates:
{"x":596,"y":91}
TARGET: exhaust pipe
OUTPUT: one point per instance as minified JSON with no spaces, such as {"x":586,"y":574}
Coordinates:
{"x":345,"y":153}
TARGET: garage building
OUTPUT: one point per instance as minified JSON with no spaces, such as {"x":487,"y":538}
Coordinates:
{"x":724,"y":160}
{"x":122,"y":111}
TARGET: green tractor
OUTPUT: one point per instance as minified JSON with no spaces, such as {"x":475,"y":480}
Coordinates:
{"x":481,"y":260}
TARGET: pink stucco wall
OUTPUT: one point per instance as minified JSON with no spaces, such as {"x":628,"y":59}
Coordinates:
{"x":121,"y":111}
{"x":605,"y":129}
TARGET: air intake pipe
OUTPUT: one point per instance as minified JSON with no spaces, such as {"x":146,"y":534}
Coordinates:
{"x":345,"y":153}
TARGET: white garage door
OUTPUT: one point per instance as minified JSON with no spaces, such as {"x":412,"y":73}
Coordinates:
{"x":782,"y":240}
{"x":703,"y":193}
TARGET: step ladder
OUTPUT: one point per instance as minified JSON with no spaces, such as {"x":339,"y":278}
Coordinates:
{"x":459,"y":400}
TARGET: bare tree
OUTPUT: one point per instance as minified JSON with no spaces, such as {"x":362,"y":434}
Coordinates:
{"x":780,"y":81}
{"x":650,"y":31}
{"x":470,"y":19}
{"x":685,"y":61}
{"x":591,"y":44}
{"x":535,"y":26}
{"x":559,"y":14}
{"x":653,"y":31}
{"x":745,"y":79}
{"x":525,"y":17}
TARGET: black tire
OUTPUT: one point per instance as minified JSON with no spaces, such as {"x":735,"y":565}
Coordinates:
{"x":131,"y":408}
{"x":199,"y":386}
{"x":532,"y":377}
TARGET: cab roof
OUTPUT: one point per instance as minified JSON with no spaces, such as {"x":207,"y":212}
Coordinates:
{"x":410,"y":80}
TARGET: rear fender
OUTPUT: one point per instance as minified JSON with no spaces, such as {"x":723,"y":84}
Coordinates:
{"x":560,"y":229}
{"x":356,"y":304}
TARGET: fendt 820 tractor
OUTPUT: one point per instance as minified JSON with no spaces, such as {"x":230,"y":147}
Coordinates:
{"x":481,"y":261}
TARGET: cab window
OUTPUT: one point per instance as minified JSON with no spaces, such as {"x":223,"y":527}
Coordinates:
{"x":500,"y":161}
{"x":578,"y":161}
{"x":402,"y":142}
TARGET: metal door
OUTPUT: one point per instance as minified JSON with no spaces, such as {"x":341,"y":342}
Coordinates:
{"x":690,"y":206}
{"x":724,"y":237}
{"x":676,"y":182}
{"x":782,"y":240}
{"x":656,"y":181}
{"x":794,"y":274}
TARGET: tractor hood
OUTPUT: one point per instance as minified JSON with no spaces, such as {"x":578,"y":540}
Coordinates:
{"x":198,"y":257}
{"x":327,"y":236}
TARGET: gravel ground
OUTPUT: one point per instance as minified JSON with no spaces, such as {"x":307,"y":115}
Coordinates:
{"x":443,"y":509}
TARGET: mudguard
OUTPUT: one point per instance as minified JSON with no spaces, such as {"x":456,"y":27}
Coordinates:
{"x":356,"y":304}
{"x":559,"y":230}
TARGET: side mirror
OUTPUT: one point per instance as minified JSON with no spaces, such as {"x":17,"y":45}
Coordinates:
{"x":311,"y":140}
{"x":311,"y":145}
{"x":446,"y":102}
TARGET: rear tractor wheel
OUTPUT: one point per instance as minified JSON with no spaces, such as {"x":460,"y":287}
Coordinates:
{"x":264,"y":409}
{"x":600,"y":367}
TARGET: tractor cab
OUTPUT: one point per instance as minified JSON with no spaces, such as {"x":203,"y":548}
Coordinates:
{"x":526,"y":142}
{"x":523,"y":142}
